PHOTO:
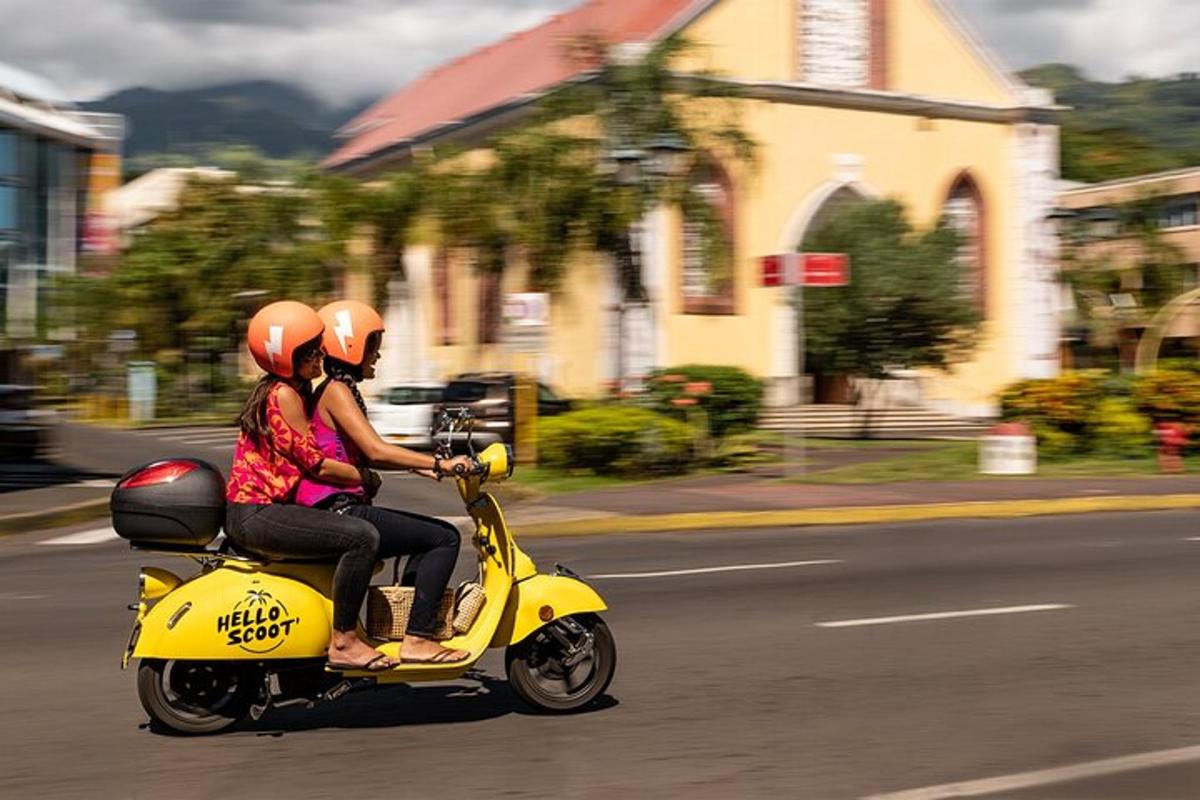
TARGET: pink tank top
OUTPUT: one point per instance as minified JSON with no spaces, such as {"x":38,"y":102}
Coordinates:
{"x":311,"y":492}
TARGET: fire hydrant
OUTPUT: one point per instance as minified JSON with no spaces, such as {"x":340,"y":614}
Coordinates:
{"x":1172,"y":438}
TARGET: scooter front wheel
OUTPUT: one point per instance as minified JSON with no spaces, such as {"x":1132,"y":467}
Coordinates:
{"x":196,"y":697}
{"x":564,"y":665}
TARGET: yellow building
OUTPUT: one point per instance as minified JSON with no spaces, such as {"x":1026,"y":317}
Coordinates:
{"x":847,"y":99}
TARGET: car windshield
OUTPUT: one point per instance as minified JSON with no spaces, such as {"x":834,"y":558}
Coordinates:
{"x":413,"y":395}
{"x":465,"y":391}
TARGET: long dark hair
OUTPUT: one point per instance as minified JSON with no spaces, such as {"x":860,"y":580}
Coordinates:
{"x":350,"y":374}
{"x":253,"y":419}
{"x":340,"y":371}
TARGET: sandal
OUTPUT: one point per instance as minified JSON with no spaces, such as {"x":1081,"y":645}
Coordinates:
{"x":367,"y":667}
{"x":443,"y":656}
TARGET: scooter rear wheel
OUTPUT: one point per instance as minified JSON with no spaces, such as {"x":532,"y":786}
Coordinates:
{"x":196,"y":697}
{"x":564,"y":665}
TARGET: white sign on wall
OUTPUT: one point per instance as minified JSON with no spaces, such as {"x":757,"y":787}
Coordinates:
{"x":526,"y":321}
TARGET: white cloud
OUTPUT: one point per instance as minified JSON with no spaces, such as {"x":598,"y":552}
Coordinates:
{"x":347,"y":49}
{"x":1109,"y":39}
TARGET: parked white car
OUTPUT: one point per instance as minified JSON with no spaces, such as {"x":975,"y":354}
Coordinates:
{"x":403,"y":414}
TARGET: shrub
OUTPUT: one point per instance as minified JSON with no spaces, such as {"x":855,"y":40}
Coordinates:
{"x":730,"y":397}
{"x":615,"y":440}
{"x":1171,"y":395}
{"x":1067,"y":403}
{"x":1119,"y":430}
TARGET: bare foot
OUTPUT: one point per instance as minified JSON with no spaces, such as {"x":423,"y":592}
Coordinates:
{"x":347,"y":649}
{"x":418,"y":650}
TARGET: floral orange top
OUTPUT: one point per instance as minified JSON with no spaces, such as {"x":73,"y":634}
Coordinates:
{"x":268,"y":472}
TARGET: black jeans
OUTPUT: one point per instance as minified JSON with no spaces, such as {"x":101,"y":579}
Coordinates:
{"x":432,"y":547}
{"x":296,"y":532}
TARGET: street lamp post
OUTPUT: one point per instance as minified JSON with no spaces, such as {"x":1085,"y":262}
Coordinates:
{"x":644,"y":170}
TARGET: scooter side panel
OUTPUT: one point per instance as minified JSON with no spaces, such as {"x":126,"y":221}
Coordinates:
{"x":237,"y":614}
{"x":565,"y":596}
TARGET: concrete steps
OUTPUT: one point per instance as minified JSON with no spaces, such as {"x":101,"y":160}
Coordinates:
{"x":888,"y":423}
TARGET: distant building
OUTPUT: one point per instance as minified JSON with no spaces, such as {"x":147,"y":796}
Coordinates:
{"x":48,"y":155}
{"x":157,"y":192}
{"x":1107,"y":232}
{"x":849,"y":100}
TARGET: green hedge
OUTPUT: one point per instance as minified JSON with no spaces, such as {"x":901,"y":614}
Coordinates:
{"x":615,"y":440}
{"x":730,"y":401}
{"x":1102,"y":413}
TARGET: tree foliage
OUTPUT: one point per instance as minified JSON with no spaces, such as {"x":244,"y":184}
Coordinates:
{"x":904,"y":306}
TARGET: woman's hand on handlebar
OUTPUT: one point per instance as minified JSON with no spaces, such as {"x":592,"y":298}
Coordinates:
{"x":457,"y":466}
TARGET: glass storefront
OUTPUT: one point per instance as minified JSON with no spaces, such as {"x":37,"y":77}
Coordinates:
{"x":40,"y":185}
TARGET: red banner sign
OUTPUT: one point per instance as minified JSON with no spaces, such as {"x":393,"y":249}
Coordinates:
{"x":805,"y":269}
{"x":826,"y":269}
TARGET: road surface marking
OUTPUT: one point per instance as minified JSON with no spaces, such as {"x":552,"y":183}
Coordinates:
{"x":85,"y":537}
{"x":1046,"y":777}
{"x":1192,"y":539}
{"x":15,"y":596}
{"x":208,"y":440}
{"x":977,"y":612}
{"x":706,"y":570}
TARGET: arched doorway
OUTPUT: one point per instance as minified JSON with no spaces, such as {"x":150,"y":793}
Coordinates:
{"x":787,"y":385}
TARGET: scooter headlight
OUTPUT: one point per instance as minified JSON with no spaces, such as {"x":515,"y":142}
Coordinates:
{"x":154,"y":583}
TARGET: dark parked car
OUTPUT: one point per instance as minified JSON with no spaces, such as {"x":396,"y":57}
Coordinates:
{"x":24,"y":429}
{"x":489,"y":396}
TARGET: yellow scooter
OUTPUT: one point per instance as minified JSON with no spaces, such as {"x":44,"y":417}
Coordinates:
{"x":242,"y":634}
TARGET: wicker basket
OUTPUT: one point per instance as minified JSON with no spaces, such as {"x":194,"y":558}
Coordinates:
{"x":388,"y":608}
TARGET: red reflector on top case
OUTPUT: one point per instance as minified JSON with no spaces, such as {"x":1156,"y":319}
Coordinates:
{"x":155,"y":474}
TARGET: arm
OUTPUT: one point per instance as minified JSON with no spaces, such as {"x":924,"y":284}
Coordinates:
{"x":297,"y":442}
{"x":350,"y":420}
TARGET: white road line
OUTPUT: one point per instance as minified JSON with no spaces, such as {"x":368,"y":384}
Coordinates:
{"x":223,"y":433}
{"x":1192,"y":539}
{"x":226,"y":439}
{"x":1046,"y":777}
{"x":97,"y":536}
{"x":17,"y":596}
{"x":977,"y":612}
{"x":706,"y":570}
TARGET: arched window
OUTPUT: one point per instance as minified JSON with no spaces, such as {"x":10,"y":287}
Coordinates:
{"x":708,"y":242}
{"x":965,"y":213}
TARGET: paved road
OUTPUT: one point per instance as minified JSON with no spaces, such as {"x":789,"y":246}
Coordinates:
{"x":869,"y":676}
{"x":101,"y":453}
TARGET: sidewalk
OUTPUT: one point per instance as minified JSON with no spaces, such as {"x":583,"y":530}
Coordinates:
{"x":731,"y":501}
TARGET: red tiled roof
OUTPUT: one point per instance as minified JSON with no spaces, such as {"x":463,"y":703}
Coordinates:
{"x":524,"y":63}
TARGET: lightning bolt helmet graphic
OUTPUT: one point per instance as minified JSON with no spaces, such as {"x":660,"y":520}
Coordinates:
{"x":343,"y":329}
{"x":277,"y":331}
{"x":349,"y":325}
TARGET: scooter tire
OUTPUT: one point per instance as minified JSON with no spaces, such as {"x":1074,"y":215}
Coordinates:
{"x":526,"y":670}
{"x":171,"y":710}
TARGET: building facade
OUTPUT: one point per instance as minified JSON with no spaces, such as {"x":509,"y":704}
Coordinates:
{"x":47,"y":151}
{"x":847,"y":99}
{"x":1130,"y":247}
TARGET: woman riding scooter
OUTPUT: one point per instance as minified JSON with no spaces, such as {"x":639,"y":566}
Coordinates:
{"x":274,"y":451}
{"x":353,"y":335}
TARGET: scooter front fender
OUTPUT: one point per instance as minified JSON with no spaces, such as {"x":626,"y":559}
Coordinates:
{"x":241,"y":614}
{"x":562,"y":595}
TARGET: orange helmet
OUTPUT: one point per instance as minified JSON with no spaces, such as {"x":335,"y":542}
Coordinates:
{"x":348,"y":323}
{"x":277,"y":330}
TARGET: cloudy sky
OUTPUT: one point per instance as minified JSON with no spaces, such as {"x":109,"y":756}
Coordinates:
{"x":345,"y":49}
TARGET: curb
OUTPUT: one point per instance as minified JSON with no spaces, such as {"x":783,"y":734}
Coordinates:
{"x":865,"y":515}
{"x":66,"y":515}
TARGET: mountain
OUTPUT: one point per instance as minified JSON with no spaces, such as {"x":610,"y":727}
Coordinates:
{"x":280,"y":120}
{"x":1115,"y":130}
